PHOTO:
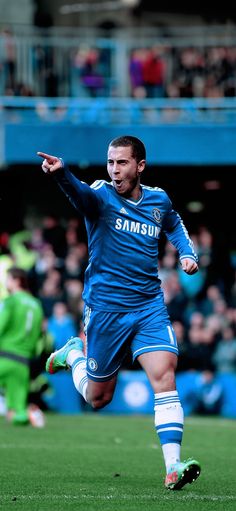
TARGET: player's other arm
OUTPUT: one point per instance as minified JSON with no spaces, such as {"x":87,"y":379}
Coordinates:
{"x":81,"y":196}
{"x":177,"y":234}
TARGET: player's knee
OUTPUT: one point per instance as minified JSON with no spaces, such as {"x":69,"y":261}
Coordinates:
{"x":100,"y":400}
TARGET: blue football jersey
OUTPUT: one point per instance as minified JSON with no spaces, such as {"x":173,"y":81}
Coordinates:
{"x":123,"y":235}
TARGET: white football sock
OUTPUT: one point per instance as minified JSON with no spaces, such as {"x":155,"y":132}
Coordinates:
{"x":77,"y":361}
{"x":169,"y":422}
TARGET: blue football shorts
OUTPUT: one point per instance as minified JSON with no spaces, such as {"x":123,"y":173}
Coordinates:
{"x":111,"y":334}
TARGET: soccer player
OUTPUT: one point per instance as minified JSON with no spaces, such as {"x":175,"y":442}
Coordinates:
{"x":124,"y":304}
{"x":21,"y":318}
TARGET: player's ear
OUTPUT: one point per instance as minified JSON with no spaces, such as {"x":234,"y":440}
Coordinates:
{"x":141,"y":166}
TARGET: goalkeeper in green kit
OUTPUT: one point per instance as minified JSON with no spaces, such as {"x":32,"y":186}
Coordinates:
{"x":21,"y":318}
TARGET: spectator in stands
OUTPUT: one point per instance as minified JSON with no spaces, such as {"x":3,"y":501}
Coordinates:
{"x":201,"y":348}
{"x":73,"y":295}
{"x":61,"y":325}
{"x":215,"y":323}
{"x":54,"y":234}
{"x":51,"y":291}
{"x":91,"y":75}
{"x":20,"y":247}
{"x":229,"y":83}
{"x":23,"y":90}
{"x":38,"y":68}
{"x":7,"y":60}
{"x":174,"y":296}
{"x":77,"y":88}
{"x":224,"y":356}
{"x":181,"y":335}
{"x":189,"y":66}
{"x":167,"y":262}
{"x":45,"y":262}
{"x":233,"y":292}
{"x":212,"y":294}
{"x":231,"y":318}
{"x":136,"y":71}
{"x":72,"y":233}
{"x":218,"y":68}
{"x":154,"y":73}
{"x":209,"y":394}
{"x":74,"y":266}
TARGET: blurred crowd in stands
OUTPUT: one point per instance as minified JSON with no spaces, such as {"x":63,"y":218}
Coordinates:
{"x":202,"y":307}
{"x":183,"y":72}
{"x":157,"y":71}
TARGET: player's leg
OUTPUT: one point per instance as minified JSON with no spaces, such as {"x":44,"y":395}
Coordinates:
{"x":71,"y":356}
{"x":99,"y":394}
{"x":169,"y":417}
{"x":17,"y":388}
{"x":160,"y":369}
{"x":155,"y":346}
{"x":95,"y":375}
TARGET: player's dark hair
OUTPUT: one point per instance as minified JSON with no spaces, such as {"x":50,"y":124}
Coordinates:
{"x":19,"y":274}
{"x":138,"y":147}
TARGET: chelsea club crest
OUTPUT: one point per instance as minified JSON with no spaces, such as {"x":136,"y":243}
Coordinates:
{"x":156,"y":215}
{"x":92,"y":363}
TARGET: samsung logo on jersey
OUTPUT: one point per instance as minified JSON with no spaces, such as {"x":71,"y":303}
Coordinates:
{"x":137,"y":227}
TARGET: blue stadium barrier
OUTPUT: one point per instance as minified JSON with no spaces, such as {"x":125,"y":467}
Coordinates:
{"x":62,"y":397}
{"x":186,"y":132}
{"x":228,"y":382}
{"x":134,"y":395}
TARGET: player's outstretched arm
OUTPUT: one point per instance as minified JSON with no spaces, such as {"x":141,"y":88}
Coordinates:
{"x":50,"y":163}
{"x":81,"y":196}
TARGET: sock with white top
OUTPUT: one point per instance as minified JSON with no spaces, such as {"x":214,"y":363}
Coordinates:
{"x":169,"y":423}
{"x":77,"y":361}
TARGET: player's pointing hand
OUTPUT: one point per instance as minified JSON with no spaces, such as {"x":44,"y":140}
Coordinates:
{"x":50,"y":163}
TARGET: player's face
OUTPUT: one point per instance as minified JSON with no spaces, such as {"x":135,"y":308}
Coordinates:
{"x":124,"y":171}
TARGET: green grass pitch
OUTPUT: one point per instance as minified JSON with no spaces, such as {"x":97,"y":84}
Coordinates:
{"x":100,"y":462}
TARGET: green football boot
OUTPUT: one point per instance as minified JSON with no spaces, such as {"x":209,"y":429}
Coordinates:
{"x":182,"y":473}
{"x":57,"y":360}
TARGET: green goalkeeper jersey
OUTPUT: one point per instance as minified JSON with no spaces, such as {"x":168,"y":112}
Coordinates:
{"x":21,"y":318}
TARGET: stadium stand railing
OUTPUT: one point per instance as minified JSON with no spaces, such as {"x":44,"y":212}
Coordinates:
{"x":117,"y":111}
